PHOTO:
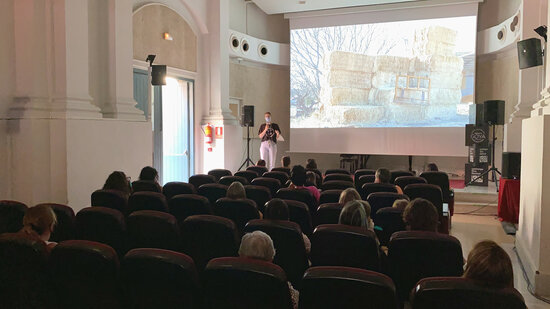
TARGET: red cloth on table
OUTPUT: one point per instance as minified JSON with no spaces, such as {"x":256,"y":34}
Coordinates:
{"x":508,"y":200}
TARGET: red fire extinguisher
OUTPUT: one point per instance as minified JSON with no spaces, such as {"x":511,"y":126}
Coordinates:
{"x":208,"y":131}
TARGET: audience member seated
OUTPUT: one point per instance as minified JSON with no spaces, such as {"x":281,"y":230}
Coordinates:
{"x":400,"y":204}
{"x":277,"y":209}
{"x":421,"y":215}
{"x":258,"y":245}
{"x":118,"y":181}
{"x":432,"y":167}
{"x":311,"y":179}
{"x":149,"y":173}
{"x":311,"y":164}
{"x":261,"y":163}
{"x":490,"y":266}
{"x":298,"y":179}
{"x":383,"y":175}
{"x":285,"y":162}
{"x":357,"y":213}
{"x":39,"y":222}
{"x":236,"y":191}
{"x":348,"y":195}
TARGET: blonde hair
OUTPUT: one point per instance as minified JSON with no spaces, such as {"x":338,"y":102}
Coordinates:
{"x":355,"y":213}
{"x":39,"y":219}
{"x":348,"y":195}
{"x":236,"y":191}
{"x":257,"y":245}
{"x":401,"y":203}
{"x":489,"y":265}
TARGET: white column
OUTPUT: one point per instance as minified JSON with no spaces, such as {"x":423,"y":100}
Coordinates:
{"x":121,"y":103}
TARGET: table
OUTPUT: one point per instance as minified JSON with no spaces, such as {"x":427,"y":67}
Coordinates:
{"x":508,"y":200}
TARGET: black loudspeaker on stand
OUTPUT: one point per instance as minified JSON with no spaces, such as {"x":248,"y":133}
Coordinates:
{"x":247,"y":120}
{"x":493,"y":115}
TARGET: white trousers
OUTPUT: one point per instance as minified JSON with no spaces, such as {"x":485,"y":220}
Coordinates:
{"x":268,"y":152}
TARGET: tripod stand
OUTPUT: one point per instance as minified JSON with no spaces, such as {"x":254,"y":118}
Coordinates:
{"x":493,"y":170}
{"x":247,"y":161}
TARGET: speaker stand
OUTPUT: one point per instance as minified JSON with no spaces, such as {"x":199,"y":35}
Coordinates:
{"x":493,"y":170}
{"x":247,"y":161}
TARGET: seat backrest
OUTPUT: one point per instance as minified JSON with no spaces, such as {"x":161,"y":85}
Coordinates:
{"x":359,"y":182}
{"x":147,"y":200}
{"x":281,"y":176}
{"x":336,"y":185}
{"x":185,"y":205}
{"x":330,"y":196}
{"x":363,"y":172}
{"x":336,"y":171}
{"x":258,"y":169}
{"x":403,"y":181}
{"x":23,"y":271}
{"x":379,"y":200}
{"x":389,"y":220}
{"x":104,"y":225}
{"x":240,"y":211}
{"x":212,"y":191}
{"x":85,"y":275}
{"x":338,"y":176}
{"x":64,"y":228}
{"x":111,"y":199}
{"x":249,"y":175}
{"x":395,"y":174}
{"x":201,"y":179}
{"x":325,"y":287}
{"x":245,"y":283}
{"x":145,"y":185}
{"x":228,"y":180}
{"x":11,"y":216}
{"x":440,"y":179}
{"x":285,"y":170}
{"x":174,"y":188}
{"x":426,"y":191}
{"x":290,"y":251}
{"x":157,"y":278}
{"x":455,"y":293}
{"x":301,"y":195}
{"x":219,"y":173}
{"x":344,"y":245}
{"x":369,"y":188}
{"x":258,"y":194}
{"x":153,"y":229}
{"x":271,"y":183}
{"x":299,"y":213}
{"x":328,"y":213}
{"x":414,"y":255}
{"x":206,"y":237}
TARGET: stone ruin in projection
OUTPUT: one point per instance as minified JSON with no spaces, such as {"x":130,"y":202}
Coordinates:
{"x":360,"y":90}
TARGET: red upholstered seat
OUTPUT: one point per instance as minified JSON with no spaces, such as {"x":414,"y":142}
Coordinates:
{"x":258,"y":194}
{"x":260,"y":170}
{"x":201,"y":179}
{"x":285,"y":170}
{"x":300,"y":195}
{"x":328,"y":213}
{"x":153,"y":229}
{"x":64,"y":228}
{"x":145,"y":185}
{"x":369,"y":188}
{"x":363,"y":179}
{"x":330,"y":196}
{"x":111,"y":199}
{"x":403,"y":181}
{"x":441,"y":179}
{"x":338,"y":176}
{"x":271,"y":183}
{"x":336,"y":171}
{"x":219,"y":173}
{"x":281,"y":176}
{"x":185,"y":205}
{"x":239,"y":211}
{"x":228,"y":180}
{"x":213,"y":192}
{"x":395,"y":174}
{"x":104,"y":225}
{"x":249,"y":175}
{"x":379,"y":200}
{"x":299,"y":213}
{"x":11,"y":216}
{"x":174,"y":188}
{"x":336,"y":185}
{"x":389,"y":220}
{"x":147,"y":200}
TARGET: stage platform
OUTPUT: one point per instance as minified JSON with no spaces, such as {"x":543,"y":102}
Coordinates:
{"x":475,"y":195}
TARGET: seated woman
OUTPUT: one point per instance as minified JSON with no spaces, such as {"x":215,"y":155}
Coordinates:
{"x":258,"y":245}
{"x":357,"y":213}
{"x":118,"y":181}
{"x":489,"y":265}
{"x":261,"y":163}
{"x":311,"y":179}
{"x":285,"y":161}
{"x":421,"y":215}
{"x":298,"y":180}
{"x":432,"y":167}
{"x":236,"y":191}
{"x":277,"y":209}
{"x":383,"y":175}
{"x":311,"y":164}
{"x":348,"y":195}
{"x":149,"y":173}
{"x":39,"y":222}
{"x":400,"y":204}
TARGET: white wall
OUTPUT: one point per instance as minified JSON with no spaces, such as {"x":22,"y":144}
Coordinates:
{"x":248,"y":18}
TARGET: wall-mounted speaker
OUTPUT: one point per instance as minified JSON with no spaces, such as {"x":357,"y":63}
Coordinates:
{"x":529,"y":53}
{"x":493,"y":112}
{"x":158,"y":75}
{"x":247,"y":115}
{"x":511,"y":165}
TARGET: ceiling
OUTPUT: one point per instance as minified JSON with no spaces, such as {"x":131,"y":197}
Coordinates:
{"x":292,"y":6}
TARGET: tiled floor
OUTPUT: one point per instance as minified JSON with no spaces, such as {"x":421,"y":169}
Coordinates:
{"x":470,"y":229}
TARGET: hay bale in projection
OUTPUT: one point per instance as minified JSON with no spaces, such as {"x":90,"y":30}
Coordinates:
{"x":339,"y":60}
{"x":438,"y":63}
{"x":406,"y":113}
{"x":383,"y":79}
{"x":361,"y":115}
{"x":396,"y":65}
{"x":352,"y":79}
{"x":434,"y":40}
{"x":447,"y":80}
{"x":441,"y":112}
{"x":440,"y":96}
{"x":345,"y":96}
{"x":381,"y":96}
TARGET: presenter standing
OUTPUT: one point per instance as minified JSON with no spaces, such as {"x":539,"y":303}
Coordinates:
{"x":268,"y":133}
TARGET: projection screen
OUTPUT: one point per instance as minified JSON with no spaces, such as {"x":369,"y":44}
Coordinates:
{"x":396,"y":82}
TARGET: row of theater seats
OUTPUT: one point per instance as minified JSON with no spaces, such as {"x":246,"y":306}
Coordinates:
{"x":85,"y":274}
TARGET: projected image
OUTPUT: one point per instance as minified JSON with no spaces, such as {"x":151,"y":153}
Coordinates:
{"x":398,"y":74}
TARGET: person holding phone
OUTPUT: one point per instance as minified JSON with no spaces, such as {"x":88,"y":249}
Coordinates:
{"x":268,"y":133}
